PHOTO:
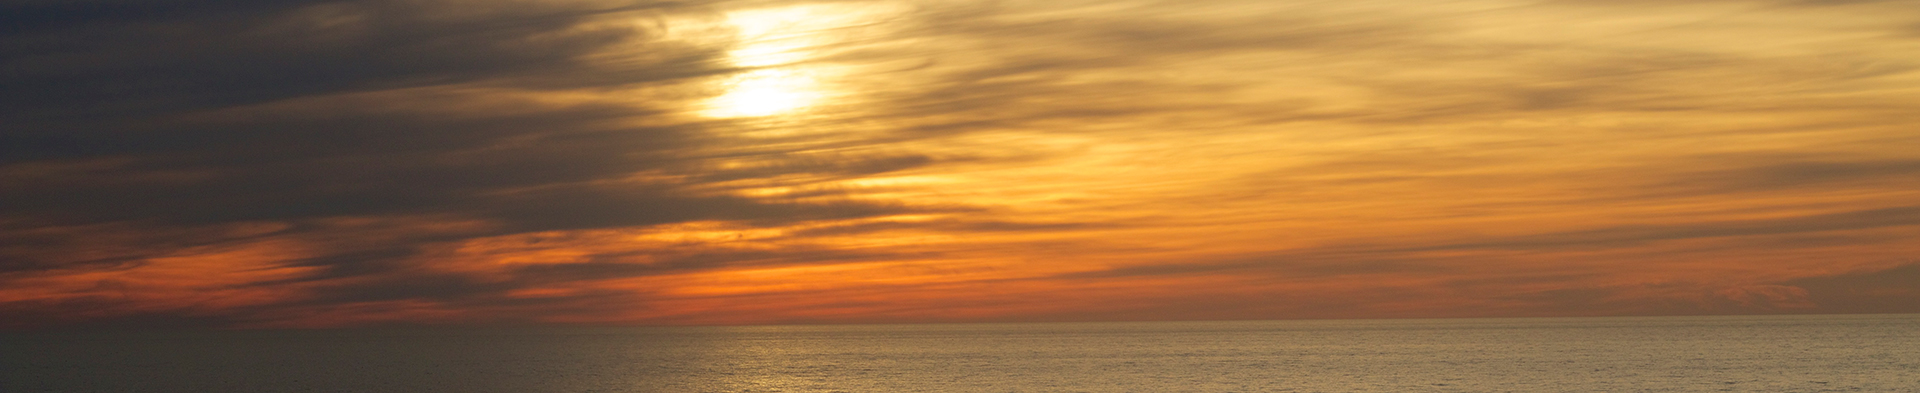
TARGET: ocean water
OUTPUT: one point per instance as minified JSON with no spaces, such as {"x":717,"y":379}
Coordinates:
{"x":1841,"y":353}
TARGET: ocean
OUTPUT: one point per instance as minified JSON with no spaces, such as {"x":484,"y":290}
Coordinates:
{"x":1811,"y":353}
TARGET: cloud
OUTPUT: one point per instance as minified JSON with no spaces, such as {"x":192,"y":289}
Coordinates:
{"x":1332,"y":260}
{"x":144,"y":130}
{"x":333,"y":163}
{"x":1881,"y":290}
{"x":1770,"y":174}
{"x":1890,"y":290}
{"x":1634,"y":234}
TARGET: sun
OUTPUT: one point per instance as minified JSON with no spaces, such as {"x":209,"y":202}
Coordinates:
{"x":775,"y":46}
{"x":765,"y":92}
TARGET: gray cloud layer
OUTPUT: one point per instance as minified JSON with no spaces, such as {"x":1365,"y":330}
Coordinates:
{"x":137,"y":129}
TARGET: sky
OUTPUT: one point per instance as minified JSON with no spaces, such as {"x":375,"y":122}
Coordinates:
{"x":320,"y":164}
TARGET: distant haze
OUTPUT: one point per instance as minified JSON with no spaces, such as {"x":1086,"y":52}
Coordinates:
{"x":281,"y":163}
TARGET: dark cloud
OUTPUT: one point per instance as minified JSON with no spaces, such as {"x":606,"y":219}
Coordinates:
{"x":353,"y":157}
{"x":135,"y":130}
{"x":425,"y":287}
{"x":818,"y":168}
{"x":28,"y":249}
{"x":1774,"y":174}
{"x":944,"y":226}
{"x":39,"y":15}
{"x":153,"y":60}
{"x":1891,"y":290}
{"x":1636,"y":234}
{"x":1887,"y":290}
{"x":667,"y":261}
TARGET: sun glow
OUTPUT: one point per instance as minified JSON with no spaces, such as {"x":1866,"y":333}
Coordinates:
{"x":776,"y":44}
{"x":766,"y":92}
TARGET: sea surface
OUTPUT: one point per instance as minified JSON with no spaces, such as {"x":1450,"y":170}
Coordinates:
{"x":1839,"y":353}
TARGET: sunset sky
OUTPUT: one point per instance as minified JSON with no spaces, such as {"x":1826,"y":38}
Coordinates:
{"x":284,"y":163}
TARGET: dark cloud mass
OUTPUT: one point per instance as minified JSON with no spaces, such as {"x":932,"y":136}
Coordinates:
{"x":193,"y":113}
{"x":134,"y":129}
